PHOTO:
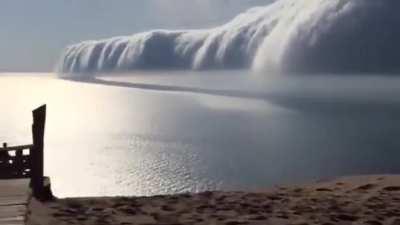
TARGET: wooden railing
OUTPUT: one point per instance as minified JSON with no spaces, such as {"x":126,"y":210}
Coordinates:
{"x":15,"y":162}
{"x":26,"y":161}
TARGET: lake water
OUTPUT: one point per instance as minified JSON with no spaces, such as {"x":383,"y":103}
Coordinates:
{"x":157,"y":133}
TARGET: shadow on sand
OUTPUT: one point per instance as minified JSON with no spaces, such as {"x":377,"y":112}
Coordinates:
{"x":334,"y":106}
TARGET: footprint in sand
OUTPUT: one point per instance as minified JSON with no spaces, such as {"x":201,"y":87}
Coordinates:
{"x":346,"y":217}
{"x":234,"y":223}
{"x":373,"y":222}
{"x":59,"y":214}
{"x":128,"y":210}
{"x":96,"y":209}
{"x":392,"y":188}
{"x":74,"y":205}
{"x":167,"y":208}
{"x":323,"y":190}
{"x":298,"y":190}
{"x":365,"y":187}
{"x":118,"y":204}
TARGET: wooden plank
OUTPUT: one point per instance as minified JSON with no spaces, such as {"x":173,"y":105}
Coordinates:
{"x":20,"y":220}
{"x":12,"y":211}
{"x":14,"y":196}
{"x":13,"y":200}
{"x":15,"y":187}
{"x":16,"y":148}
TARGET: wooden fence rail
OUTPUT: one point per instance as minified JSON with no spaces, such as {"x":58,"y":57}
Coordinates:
{"x":14,"y":148}
{"x":26,"y":161}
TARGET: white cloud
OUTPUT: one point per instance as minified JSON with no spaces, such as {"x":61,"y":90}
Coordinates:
{"x":286,"y":36}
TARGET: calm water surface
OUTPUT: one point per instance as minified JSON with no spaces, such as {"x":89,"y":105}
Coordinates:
{"x":147,"y":134}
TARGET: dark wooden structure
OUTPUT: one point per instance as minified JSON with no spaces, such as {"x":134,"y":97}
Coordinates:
{"x":15,"y":162}
{"x":26,"y":161}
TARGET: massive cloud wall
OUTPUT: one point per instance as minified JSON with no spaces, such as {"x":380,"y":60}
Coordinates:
{"x":288,"y":36}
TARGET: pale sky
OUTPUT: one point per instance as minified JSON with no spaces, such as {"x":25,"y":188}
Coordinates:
{"x":34,"y":32}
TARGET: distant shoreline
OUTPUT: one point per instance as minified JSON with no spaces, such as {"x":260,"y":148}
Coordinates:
{"x":370,"y":199}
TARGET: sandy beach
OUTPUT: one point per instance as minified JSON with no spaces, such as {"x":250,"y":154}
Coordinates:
{"x":369,"y":200}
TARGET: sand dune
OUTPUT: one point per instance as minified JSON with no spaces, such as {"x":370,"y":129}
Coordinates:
{"x":370,"y":200}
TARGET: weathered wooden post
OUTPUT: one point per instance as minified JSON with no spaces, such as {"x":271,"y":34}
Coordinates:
{"x":37,"y":176}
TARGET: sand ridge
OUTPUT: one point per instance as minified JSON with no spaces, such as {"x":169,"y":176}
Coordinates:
{"x":371,"y":200}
